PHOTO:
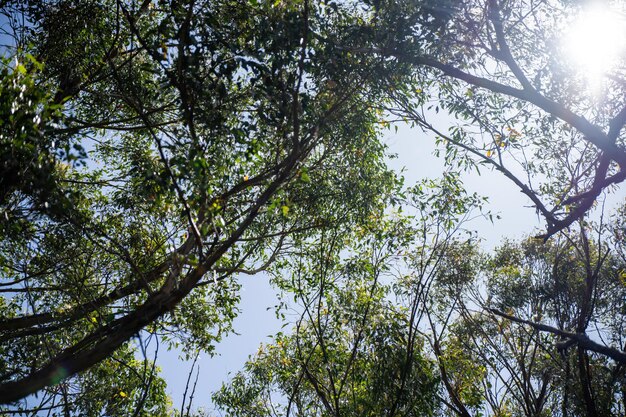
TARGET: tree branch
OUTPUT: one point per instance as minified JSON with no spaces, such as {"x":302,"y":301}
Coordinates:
{"x":581,"y":339}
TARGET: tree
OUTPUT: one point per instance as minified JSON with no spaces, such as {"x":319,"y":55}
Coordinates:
{"x":192,"y":141}
{"x":353,"y":352}
{"x":501,"y":332}
{"x":524,"y":110}
{"x":357,"y":347}
{"x":543,"y":326}
{"x":522,"y":107}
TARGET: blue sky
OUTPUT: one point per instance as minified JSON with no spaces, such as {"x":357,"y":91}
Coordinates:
{"x":257,"y":321}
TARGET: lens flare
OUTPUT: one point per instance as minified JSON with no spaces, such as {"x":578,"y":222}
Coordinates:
{"x":594,"y":42}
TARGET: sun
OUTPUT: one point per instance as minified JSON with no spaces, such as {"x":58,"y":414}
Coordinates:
{"x":594,"y":41}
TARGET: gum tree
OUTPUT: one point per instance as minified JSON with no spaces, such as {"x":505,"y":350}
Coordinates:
{"x":523,"y":106}
{"x":358,"y":345}
{"x":190,"y":141}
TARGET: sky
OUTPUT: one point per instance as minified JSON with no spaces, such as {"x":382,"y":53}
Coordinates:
{"x":257,"y":321}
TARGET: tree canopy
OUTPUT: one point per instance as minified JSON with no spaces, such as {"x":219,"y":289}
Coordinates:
{"x":153,"y":150}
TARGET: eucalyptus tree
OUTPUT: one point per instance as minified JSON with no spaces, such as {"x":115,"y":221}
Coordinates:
{"x":536,"y":328}
{"x":531,"y":329}
{"x":352,"y":352}
{"x":527,"y":100}
{"x":153,"y":150}
{"x":359,"y":346}
{"x":525,"y":107}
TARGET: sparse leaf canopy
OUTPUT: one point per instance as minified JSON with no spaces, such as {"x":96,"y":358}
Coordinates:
{"x":152,"y":150}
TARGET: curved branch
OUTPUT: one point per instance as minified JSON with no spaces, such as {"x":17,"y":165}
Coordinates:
{"x":580,"y":339}
{"x":591,"y":132}
{"x":504,"y":50}
{"x":100,"y":344}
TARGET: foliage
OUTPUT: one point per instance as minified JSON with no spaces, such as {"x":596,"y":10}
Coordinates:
{"x":152,"y":150}
{"x":357,"y":347}
{"x":352,"y":352}
{"x":530,"y":329}
{"x":33,"y":159}
{"x":539,"y":322}
{"x":121,"y":385}
{"x":521,"y":107}
{"x":357,"y":365}
{"x":207,"y":139}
